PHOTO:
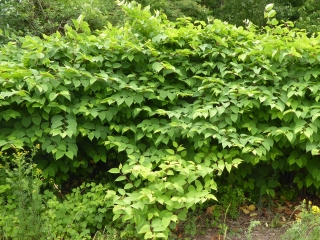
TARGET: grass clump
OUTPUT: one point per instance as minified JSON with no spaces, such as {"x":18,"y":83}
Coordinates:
{"x":307,"y":224}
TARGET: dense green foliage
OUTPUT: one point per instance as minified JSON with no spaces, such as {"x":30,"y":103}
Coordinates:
{"x":169,"y":107}
{"x":29,"y":213}
{"x":179,"y":8}
{"x":304,"y":13}
{"x":37,"y":17}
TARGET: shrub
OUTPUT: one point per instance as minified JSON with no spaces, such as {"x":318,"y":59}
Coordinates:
{"x":27,"y":213}
{"x":80,"y":214}
{"x":169,"y":107}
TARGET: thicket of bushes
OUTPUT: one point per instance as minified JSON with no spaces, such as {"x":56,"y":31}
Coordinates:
{"x":38,"y":17}
{"x":167,"y":110}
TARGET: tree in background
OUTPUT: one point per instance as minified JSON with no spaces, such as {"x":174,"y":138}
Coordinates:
{"x":309,"y":16}
{"x":179,"y":8}
{"x":37,"y":17}
{"x":305,"y":13}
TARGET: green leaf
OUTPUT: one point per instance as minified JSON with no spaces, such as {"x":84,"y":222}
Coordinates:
{"x":273,"y":184}
{"x":66,"y":94}
{"x":309,"y":182}
{"x":128,"y":101}
{"x":120,"y":178}
{"x":26,"y":121}
{"x":290,"y":136}
{"x":69,"y":154}
{"x":144,"y":228}
{"x":221,"y":165}
{"x":138,"y":98}
{"x":3,"y":142}
{"x":234,"y":117}
{"x":274,"y":21}
{"x":166,"y":219}
{"x":157,"y":66}
{"x":36,"y":120}
{"x":234,"y":109}
{"x":308,"y":132}
{"x":52,"y":96}
{"x":116,"y":65}
{"x":170,"y":151}
{"x":114,"y":170}
{"x":48,"y":172}
{"x":128,"y":186}
{"x":59,"y":154}
{"x":299,"y":162}
{"x":122,"y":191}
{"x":56,"y":121}
{"x":271,"y":14}
{"x":269,"y":7}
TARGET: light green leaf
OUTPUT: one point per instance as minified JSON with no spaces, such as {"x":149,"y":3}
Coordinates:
{"x":157,"y":66}
{"x":128,"y":186}
{"x":120,"y":178}
{"x":70,"y":154}
{"x":52,"y":96}
{"x":272,"y":13}
{"x":269,"y":7}
{"x":3,"y":142}
{"x":221,"y":165}
{"x":290,"y":136}
{"x":122,"y":191}
{"x":145,"y":228}
{"x":114,"y":170}
{"x":170,"y":151}
{"x":234,"y":117}
{"x":56,"y":121}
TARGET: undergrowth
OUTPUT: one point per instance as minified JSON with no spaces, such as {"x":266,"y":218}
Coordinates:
{"x":307,"y":224}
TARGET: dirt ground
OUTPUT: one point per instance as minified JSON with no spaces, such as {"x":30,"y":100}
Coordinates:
{"x":237,"y":230}
{"x":273,"y":224}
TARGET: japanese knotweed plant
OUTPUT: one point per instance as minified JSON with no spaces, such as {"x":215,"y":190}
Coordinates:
{"x":173,"y":104}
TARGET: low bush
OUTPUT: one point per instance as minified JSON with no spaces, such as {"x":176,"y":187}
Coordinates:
{"x":29,"y":213}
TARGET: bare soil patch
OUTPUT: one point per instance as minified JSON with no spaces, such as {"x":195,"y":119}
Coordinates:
{"x":273,"y":224}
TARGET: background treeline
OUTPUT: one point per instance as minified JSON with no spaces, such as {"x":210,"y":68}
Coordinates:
{"x":37,"y":17}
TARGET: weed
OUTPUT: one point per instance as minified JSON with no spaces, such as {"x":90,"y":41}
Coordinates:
{"x":216,"y":215}
{"x":224,"y":226}
{"x":190,"y":227}
{"x":252,"y":225}
{"x":231,"y":198}
{"x":108,"y":232}
{"x":307,"y":225}
{"x":275,"y":221}
{"x":20,"y":200}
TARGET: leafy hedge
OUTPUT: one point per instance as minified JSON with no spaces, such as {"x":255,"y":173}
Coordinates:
{"x":174,"y":105}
